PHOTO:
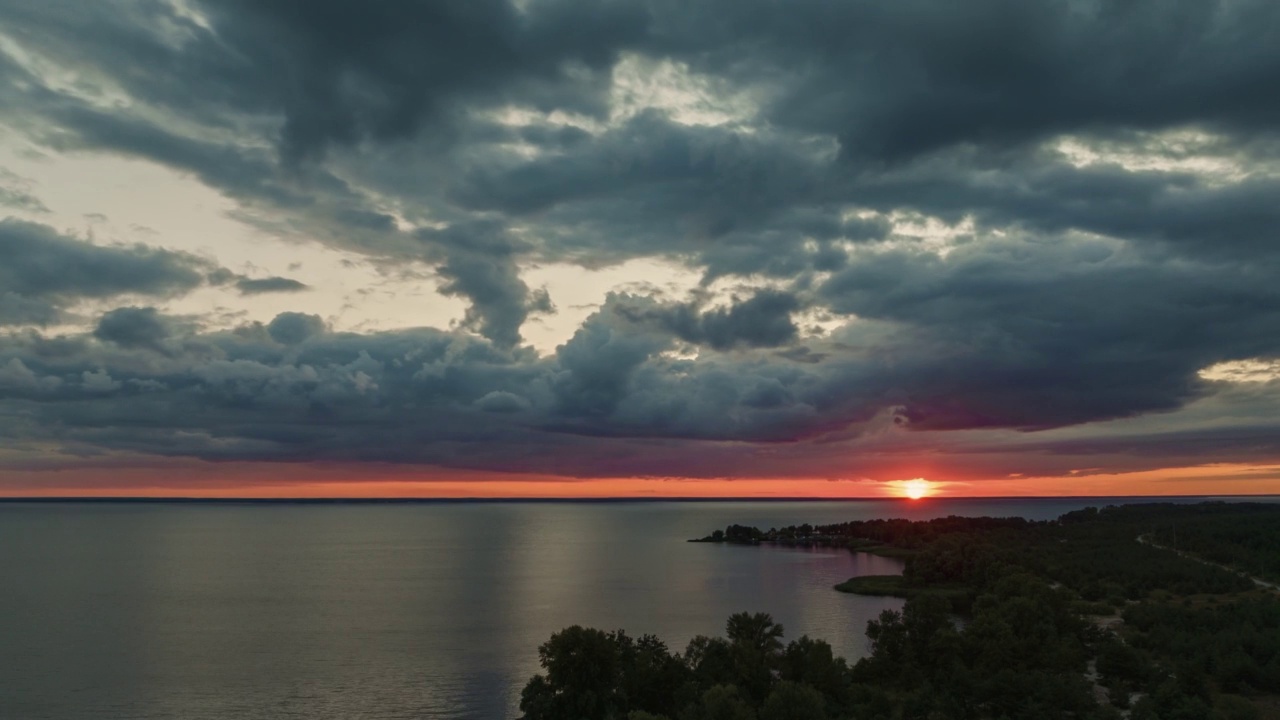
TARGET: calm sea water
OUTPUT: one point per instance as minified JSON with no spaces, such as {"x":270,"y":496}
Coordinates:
{"x":202,"y":611}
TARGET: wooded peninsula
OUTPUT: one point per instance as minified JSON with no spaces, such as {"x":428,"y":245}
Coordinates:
{"x":1150,"y":612}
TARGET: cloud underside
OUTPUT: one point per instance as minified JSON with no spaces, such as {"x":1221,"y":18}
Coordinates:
{"x":1007,"y":234}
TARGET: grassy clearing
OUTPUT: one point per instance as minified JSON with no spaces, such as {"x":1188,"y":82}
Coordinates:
{"x":896,"y":586}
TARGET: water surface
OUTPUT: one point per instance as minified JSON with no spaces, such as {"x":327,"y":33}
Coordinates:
{"x":203,"y":611}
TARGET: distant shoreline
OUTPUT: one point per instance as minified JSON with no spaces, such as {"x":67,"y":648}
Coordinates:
{"x":146,"y":500}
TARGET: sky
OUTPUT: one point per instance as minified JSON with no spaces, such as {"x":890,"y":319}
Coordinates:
{"x":457,"y":248}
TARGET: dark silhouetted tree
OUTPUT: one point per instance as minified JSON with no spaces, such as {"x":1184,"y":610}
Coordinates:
{"x":721,"y":702}
{"x":793,"y":701}
{"x":756,"y":644}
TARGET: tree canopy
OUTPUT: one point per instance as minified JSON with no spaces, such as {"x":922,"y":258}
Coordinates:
{"x":1072,"y":619}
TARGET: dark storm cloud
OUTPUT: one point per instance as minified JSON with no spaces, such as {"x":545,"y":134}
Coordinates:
{"x":894,"y":80}
{"x":764,"y":320}
{"x":1097,"y":184}
{"x":382,"y":70}
{"x":609,"y":402}
{"x":1041,"y":191}
{"x":728,"y":177}
{"x":17,"y":309}
{"x":274,"y":284}
{"x":480,"y":265}
{"x":744,"y":204}
{"x":889,"y":80}
{"x":292,"y":328}
{"x":41,"y":271}
{"x":341,"y":73}
{"x":1050,"y":332}
{"x":133,"y":327}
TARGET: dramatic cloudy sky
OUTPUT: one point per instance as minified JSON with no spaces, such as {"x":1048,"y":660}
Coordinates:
{"x":513,"y":247}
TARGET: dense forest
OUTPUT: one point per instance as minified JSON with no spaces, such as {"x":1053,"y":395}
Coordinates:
{"x":1246,"y":541}
{"x":1101,"y":613}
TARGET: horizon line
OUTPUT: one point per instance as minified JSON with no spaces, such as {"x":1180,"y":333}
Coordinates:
{"x":10,"y":499}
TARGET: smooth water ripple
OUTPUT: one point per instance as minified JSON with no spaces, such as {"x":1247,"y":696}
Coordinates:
{"x":204,"y":611}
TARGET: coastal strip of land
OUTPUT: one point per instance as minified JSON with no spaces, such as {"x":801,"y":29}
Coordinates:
{"x":1162,"y":609}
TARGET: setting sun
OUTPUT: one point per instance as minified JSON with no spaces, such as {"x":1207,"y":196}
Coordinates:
{"x":916,"y":488}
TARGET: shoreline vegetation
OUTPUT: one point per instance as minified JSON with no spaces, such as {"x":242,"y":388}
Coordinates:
{"x":803,"y":536}
{"x":1138,"y":612}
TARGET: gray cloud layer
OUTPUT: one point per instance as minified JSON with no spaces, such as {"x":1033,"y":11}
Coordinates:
{"x":41,"y":271}
{"x":1104,"y":177}
{"x":258,"y":286}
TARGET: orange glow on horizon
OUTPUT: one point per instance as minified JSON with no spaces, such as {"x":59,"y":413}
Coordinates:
{"x":264,"y":480}
{"x":917,"y":488}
